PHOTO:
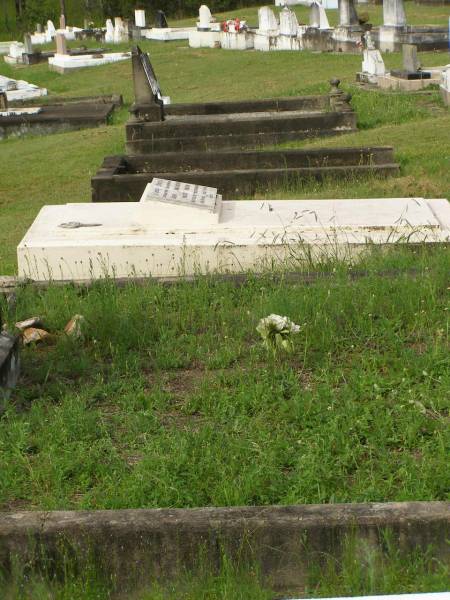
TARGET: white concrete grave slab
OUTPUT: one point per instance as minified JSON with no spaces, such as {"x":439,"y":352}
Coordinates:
{"x":66,"y":62}
{"x":89,"y":241}
{"x":19,"y":89}
{"x":168,"y":34}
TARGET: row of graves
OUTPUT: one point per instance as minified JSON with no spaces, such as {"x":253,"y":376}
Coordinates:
{"x":172,"y":205}
{"x":286,"y":33}
{"x":412,"y":77}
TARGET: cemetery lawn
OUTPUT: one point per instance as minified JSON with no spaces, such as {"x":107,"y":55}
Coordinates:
{"x":171,"y":400}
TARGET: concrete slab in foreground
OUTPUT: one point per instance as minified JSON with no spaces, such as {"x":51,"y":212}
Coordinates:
{"x":134,"y":545}
{"x":76,"y":242}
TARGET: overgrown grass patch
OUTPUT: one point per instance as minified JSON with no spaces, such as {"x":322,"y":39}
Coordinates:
{"x":172,"y":401}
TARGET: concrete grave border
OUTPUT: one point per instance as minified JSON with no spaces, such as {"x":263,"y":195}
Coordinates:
{"x":282,"y":540}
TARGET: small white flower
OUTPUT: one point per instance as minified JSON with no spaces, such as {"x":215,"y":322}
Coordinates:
{"x":276,"y":331}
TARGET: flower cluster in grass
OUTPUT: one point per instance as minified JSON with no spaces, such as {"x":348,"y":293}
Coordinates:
{"x":277,"y":333}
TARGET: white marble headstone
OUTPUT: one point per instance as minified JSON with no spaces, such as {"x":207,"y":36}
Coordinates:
{"x":50,"y":32}
{"x":288,"y":22}
{"x":204,"y":17}
{"x":373,"y":63}
{"x":267,"y":19}
{"x":109,"y":36}
{"x":139,"y":18}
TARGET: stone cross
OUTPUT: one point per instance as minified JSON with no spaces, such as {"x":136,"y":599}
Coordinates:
{"x":410,"y":60}
{"x":288,"y":22}
{"x":348,"y":16}
{"x":61,"y":44}
{"x":393,"y":13}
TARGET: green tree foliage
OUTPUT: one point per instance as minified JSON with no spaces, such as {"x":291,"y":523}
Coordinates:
{"x":39,"y":11}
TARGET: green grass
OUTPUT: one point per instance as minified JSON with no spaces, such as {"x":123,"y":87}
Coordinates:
{"x":172,"y":401}
{"x":359,"y":571}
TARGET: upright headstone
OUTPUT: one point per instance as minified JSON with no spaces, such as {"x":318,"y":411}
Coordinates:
{"x":148,"y":104}
{"x":160,"y":20}
{"x":348,"y":16}
{"x":266,"y":19}
{"x":373,"y":64}
{"x":38,"y":28}
{"x":61,"y":44}
{"x":3,"y":101}
{"x":27,"y":43}
{"x":109,"y":36}
{"x":314,"y":15}
{"x":204,"y":18}
{"x":139,"y":18}
{"x":410,"y":59}
{"x":394,"y":13}
{"x":119,"y":30}
{"x":323,"y":19}
{"x":62,"y":22}
{"x":288,"y":22}
{"x":51,"y":31}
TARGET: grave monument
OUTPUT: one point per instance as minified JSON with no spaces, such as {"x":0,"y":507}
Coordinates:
{"x":198,"y":143}
{"x":208,"y":31}
{"x":445,"y":86}
{"x":172,"y":234}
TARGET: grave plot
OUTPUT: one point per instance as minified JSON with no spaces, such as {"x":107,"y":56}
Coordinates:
{"x":208,"y":143}
{"x":18,"y":90}
{"x":236,"y":174}
{"x":164,"y":236}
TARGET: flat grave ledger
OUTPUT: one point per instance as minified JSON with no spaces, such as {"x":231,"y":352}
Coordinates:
{"x":86,"y":241}
{"x":236,"y":173}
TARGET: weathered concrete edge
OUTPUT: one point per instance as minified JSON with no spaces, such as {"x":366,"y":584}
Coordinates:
{"x":282,"y":540}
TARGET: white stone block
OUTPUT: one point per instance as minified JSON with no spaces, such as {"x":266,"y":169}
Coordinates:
{"x":86,"y":241}
{"x":204,"y":39}
{"x":237,"y":41}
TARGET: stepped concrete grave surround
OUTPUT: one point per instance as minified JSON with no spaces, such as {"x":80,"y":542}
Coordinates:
{"x":79,"y":242}
{"x":209,"y":143}
{"x":236,"y":174}
{"x":283,"y":541}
